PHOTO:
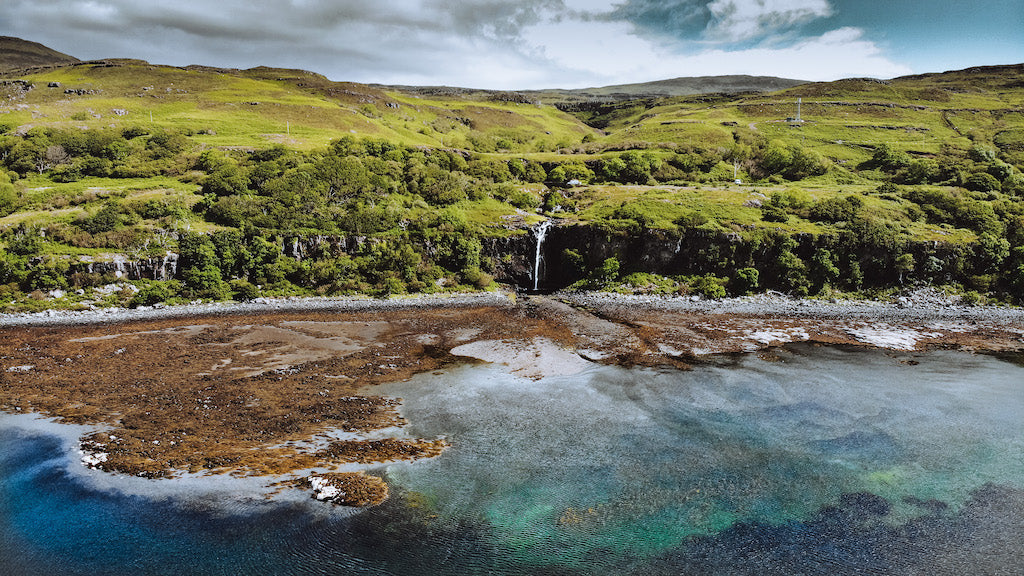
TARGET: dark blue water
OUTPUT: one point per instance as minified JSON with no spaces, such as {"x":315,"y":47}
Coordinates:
{"x":825,"y":461}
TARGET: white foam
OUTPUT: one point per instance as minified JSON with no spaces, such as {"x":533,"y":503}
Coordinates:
{"x":323,"y":489}
{"x":781,"y":336}
{"x":887,"y":336}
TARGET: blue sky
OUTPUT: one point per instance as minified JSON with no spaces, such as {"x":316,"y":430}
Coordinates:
{"x":507,"y":44}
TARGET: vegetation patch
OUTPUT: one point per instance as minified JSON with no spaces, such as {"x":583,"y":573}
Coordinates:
{"x":203,"y":183}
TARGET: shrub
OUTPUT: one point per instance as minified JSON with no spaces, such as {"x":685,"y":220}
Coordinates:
{"x":708,"y":286}
{"x":982,"y":182}
{"x":155,"y":292}
{"x":836,"y":209}
{"x":243,"y":290}
{"x":524,"y":200}
{"x":106,"y":219}
{"x":746,"y":281}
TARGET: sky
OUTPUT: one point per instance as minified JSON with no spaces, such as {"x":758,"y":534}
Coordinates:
{"x":533,"y":44}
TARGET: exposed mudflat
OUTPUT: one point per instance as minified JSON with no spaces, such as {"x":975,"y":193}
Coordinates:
{"x":279,"y":389}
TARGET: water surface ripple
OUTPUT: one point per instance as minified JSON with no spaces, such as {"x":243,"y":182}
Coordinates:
{"x":810,"y":460}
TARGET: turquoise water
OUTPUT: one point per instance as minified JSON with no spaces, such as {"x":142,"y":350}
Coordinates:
{"x":821,"y":460}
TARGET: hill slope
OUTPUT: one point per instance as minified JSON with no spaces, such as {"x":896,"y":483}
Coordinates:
{"x":16,"y":53}
{"x":339,"y":187}
{"x":687,"y":86}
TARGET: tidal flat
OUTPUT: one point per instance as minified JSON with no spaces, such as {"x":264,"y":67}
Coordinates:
{"x":569,"y":436}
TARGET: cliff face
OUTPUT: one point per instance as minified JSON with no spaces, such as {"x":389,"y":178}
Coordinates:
{"x":156,"y":268}
{"x":569,"y":251}
{"x":566,"y":253}
{"x":513,"y":258}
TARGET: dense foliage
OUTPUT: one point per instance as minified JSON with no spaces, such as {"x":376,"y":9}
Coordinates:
{"x":378,"y":216}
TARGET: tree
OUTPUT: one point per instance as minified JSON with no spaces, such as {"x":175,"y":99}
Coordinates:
{"x":8,"y":195}
{"x":990,"y":252}
{"x":106,"y":219}
{"x":920,"y":171}
{"x":747,"y":280}
{"x":607,"y":272}
{"x":227,"y":179}
{"x":638,"y":166}
{"x":776,"y":159}
{"x":534,"y":172}
{"x":776,"y":208}
{"x":571,"y":171}
{"x":206,"y":282}
{"x":50,"y":274}
{"x":888,"y":158}
{"x":904,"y":264}
{"x":824,"y":269}
{"x":342,"y":177}
{"x":13,"y":267}
{"x":806,"y":163}
{"x":836,"y":209}
{"x":612,"y":168}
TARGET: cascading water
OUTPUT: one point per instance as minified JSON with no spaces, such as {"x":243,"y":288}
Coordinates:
{"x":540,"y":231}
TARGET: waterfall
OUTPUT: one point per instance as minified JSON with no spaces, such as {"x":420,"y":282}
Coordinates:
{"x":172,"y":259}
{"x":119,"y":268}
{"x":540,"y":232}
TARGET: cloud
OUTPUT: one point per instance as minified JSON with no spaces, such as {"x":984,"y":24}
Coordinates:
{"x":740,"y":20}
{"x":501,"y":44}
{"x":677,"y":20}
{"x":717,"y":21}
{"x":606,"y":53}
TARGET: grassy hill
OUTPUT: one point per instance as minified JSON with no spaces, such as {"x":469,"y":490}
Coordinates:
{"x":16,"y":53}
{"x":263,"y":106}
{"x":657,"y":89}
{"x":122,"y":160}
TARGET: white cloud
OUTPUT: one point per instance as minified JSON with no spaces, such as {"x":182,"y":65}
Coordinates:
{"x":606,"y":53}
{"x":497,"y":44}
{"x":740,"y":20}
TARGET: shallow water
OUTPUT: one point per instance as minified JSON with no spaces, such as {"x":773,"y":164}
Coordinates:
{"x":816,"y":460}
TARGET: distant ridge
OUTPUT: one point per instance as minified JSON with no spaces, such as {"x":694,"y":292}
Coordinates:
{"x":686,"y":86}
{"x":16,"y":53}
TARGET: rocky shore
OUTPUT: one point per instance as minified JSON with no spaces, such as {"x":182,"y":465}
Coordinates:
{"x":256,"y":306}
{"x":285,"y":388}
{"x":920,"y":305}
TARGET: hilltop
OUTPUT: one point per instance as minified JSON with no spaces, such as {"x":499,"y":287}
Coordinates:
{"x":16,"y":53}
{"x":221,"y":182}
{"x":686,"y":86}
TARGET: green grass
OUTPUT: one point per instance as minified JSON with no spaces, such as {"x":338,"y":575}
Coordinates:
{"x":304,"y":111}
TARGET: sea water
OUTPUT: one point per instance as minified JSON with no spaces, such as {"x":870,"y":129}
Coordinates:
{"x":808,"y":460}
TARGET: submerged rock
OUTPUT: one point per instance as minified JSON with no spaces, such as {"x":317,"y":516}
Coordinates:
{"x":348,"y":488}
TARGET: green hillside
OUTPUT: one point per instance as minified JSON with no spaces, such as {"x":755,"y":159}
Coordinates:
{"x":264,"y":106}
{"x":16,"y":53}
{"x":122,"y":160}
